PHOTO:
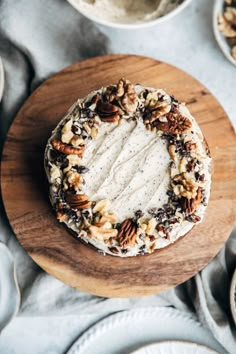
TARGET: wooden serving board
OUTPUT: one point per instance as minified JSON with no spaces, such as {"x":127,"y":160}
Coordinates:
{"x":49,"y":243}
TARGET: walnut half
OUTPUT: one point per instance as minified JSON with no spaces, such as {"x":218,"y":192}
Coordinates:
{"x":124,"y":94}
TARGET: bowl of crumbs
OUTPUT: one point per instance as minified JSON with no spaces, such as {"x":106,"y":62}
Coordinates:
{"x":128,"y":14}
{"x":224,"y":25}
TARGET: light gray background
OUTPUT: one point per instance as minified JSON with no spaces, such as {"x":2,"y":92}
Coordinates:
{"x":186,"y":41}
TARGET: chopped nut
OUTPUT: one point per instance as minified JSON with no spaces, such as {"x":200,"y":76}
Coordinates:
{"x":54,"y":173}
{"x":94,"y":132}
{"x":172,"y":152}
{"x":108,"y":217}
{"x":230,"y":15}
{"x":73,"y":179}
{"x":87,"y":128}
{"x":102,"y":234}
{"x":67,"y":149}
{"x":61,"y":216}
{"x":158,"y":104}
{"x":225,"y":27}
{"x":127,"y":233}
{"x":190,"y":205}
{"x":101,"y":206}
{"x":67,"y":134}
{"x":182,"y":165}
{"x":76,"y":141}
{"x":151,"y":226}
{"x":184,"y":186}
{"x":73,"y":160}
{"x":78,"y":201}
{"x":143,"y":227}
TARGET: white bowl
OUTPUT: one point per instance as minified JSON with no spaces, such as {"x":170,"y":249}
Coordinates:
{"x":1,"y":79}
{"x":222,"y":42}
{"x":132,"y":25}
{"x":233,"y":296}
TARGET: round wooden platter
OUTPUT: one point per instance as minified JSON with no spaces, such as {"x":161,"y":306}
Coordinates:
{"x":50,"y":244}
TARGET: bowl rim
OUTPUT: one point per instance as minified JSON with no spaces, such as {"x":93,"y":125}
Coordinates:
{"x":2,"y":79}
{"x":134,"y":25}
{"x":220,"y":39}
{"x":233,"y":296}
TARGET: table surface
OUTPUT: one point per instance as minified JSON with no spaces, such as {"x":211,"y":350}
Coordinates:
{"x":191,"y":47}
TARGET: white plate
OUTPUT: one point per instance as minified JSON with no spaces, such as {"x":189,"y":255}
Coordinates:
{"x":174,"y":347}
{"x":233,"y":296}
{"x":9,"y":291}
{"x":127,"y":331}
{"x":1,"y":79}
{"x":218,"y":7}
{"x":76,"y":5}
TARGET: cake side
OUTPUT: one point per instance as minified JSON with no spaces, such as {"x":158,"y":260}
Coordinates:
{"x":128,"y":170}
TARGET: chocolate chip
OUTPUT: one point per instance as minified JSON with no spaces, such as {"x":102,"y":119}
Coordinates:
{"x":113,"y":250}
{"x":202,"y":178}
{"x":138,"y":214}
{"x":76,"y":129}
{"x":81,"y":169}
{"x":152,"y":238}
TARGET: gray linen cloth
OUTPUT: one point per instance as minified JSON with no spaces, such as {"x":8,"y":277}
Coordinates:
{"x":38,"y":38}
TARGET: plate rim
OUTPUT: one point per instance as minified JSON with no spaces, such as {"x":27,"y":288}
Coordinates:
{"x":116,"y":319}
{"x":211,"y":351}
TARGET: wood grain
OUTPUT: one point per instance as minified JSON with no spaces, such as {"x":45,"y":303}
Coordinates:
{"x":50,"y":244}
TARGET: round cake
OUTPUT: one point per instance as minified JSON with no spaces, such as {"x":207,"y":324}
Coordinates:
{"x":128,"y":169}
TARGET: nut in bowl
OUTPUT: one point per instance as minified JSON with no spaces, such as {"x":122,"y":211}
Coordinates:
{"x":129,"y":14}
{"x":224,"y":25}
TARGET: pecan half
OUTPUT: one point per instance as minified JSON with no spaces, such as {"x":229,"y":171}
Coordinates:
{"x":127,"y":233}
{"x":78,"y":201}
{"x":108,"y":112}
{"x":190,"y":205}
{"x":67,"y":149}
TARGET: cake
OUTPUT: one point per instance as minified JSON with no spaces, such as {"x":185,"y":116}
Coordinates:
{"x":128,"y":169}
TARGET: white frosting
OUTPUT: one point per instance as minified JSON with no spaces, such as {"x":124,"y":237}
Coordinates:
{"x":130,"y":166}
